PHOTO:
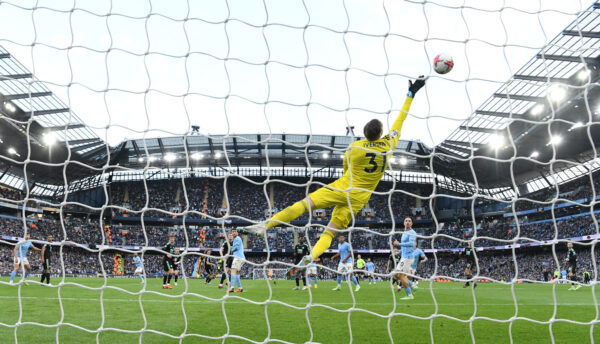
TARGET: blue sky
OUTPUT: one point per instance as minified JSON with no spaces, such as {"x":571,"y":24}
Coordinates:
{"x":131,"y":69}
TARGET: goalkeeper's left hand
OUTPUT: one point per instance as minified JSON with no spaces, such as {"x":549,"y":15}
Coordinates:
{"x":414,"y":87}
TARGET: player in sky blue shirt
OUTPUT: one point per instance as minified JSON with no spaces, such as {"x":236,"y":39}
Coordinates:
{"x":345,"y":265}
{"x":418,"y":254}
{"x":407,"y":247}
{"x":139,"y":267}
{"x":20,"y":257}
{"x":370,"y":270}
{"x":237,"y":248}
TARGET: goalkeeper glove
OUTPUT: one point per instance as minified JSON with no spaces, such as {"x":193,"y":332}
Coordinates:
{"x":414,"y":87}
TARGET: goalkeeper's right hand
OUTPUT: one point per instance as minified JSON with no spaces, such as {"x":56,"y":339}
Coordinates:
{"x":414,"y":87}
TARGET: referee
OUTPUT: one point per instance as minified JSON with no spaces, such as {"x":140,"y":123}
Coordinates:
{"x":46,"y":255}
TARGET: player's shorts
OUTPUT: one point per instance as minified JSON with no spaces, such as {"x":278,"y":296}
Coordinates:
{"x":18,"y":260}
{"x":572,"y":269}
{"x":209,"y":269}
{"x":46,"y":264}
{"x":167,"y":264}
{"x":237,"y":264}
{"x":326,"y":197}
{"x":138,"y":270}
{"x":404,"y":266}
{"x":311,"y":270}
{"x":344,"y":268}
{"x":229,"y":262}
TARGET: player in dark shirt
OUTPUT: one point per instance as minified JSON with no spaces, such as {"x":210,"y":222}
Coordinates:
{"x":169,"y":248}
{"x":572,"y":266}
{"x":46,"y":255}
{"x":227,"y":257}
{"x":301,"y":249}
{"x":470,"y":257}
{"x":586,"y":277}
{"x":176,"y":264}
{"x":209,"y":266}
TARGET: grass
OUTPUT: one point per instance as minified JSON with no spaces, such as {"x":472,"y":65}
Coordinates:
{"x":333,"y":317}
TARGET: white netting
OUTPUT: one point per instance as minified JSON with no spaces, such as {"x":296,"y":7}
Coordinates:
{"x":270,"y":274}
{"x":125,"y":123}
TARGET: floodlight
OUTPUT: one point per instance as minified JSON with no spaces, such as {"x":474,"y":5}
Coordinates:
{"x":403,"y":160}
{"x":217,"y":155}
{"x":170,"y":157}
{"x":325,"y":155}
{"x":496,"y":141}
{"x":534,"y":154}
{"x":557,"y":93}
{"x":555,"y":140}
{"x":11,"y":151}
{"x":9,"y":107}
{"x":537,"y":109}
{"x":49,"y":139}
{"x":140,"y":159}
{"x":583,"y":74}
{"x":197,"y":156}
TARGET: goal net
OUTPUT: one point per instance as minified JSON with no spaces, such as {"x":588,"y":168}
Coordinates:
{"x":139,"y":141}
{"x":269,"y":274}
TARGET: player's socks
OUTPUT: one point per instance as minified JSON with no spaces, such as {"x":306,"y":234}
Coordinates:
{"x":43,"y":277}
{"x":354,"y":280}
{"x":339,"y":280}
{"x":165,"y":280}
{"x":139,"y":275}
{"x":288,"y":214}
{"x":26,"y":273}
{"x":169,"y":279}
{"x":297,"y":281}
{"x":323,"y":243}
{"x":12,"y":275}
{"x":304,"y":281}
{"x":176,"y":278}
{"x":408,"y":291}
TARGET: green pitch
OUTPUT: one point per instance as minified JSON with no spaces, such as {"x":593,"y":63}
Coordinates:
{"x":332,"y":317}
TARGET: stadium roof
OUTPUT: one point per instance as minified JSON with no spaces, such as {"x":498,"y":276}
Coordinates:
{"x":280,"y":150}
{"x":553,"y":99}
{"x":36,"y":125}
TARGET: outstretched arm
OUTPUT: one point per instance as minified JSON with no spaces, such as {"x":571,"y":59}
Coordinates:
{"x":413,"y":88}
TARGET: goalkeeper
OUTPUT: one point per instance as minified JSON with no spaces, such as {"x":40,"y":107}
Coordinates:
{"x":365,"y":162}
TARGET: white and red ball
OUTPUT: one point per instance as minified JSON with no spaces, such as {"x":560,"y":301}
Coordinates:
{"x":443,"y":63}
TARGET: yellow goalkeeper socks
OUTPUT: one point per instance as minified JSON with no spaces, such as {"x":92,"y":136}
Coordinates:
{"x":288,"y":214}
{"x":323,"y":243}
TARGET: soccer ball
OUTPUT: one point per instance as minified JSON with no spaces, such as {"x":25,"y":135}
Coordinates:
{"x":443,"y":63}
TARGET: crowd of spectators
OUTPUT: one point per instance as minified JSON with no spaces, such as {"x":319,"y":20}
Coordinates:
{"x":252,"y":199}
{"x":499,"y":266}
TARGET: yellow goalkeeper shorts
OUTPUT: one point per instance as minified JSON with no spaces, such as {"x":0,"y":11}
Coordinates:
{"x":326,"y":197}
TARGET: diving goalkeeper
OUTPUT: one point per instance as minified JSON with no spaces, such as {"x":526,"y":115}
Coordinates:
{"x":365,"y":162}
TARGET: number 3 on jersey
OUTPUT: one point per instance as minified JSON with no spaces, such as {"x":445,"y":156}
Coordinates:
{"x":373,"y":163}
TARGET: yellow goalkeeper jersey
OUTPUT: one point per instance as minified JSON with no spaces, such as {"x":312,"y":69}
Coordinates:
{"x":365,"y":161}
